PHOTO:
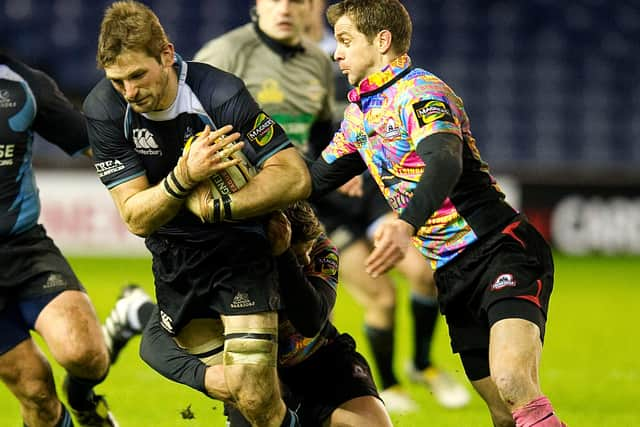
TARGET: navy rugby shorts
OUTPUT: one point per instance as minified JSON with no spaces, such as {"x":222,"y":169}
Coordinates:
{"x":34,"y":273}
{"x":234,"y":275}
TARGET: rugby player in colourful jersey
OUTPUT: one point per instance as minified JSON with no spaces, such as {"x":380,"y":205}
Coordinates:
{"x":493,"y":270}
{"x":323,"y":375}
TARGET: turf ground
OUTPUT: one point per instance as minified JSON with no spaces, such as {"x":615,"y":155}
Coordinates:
{"x":590,"y":368}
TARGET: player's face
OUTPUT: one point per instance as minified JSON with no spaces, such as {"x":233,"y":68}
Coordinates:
{"x":283,"y":20}
{"x":146,"y":84}
{"x":303,"y":252}
{"x":356,"y":57}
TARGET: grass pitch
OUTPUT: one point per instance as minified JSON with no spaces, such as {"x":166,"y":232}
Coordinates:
{"x":590,"y":369}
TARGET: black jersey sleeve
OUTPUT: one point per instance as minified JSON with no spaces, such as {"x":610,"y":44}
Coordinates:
{"x":231,"y":103}
{"x":57,"y":119}
{"x":309,"y":292}
{"x":114,"y":157}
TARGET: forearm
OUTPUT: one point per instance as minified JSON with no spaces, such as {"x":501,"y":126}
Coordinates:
{"x":144,"y":209}
{"x":442,"y":155}
{"x":160,"y":352}
{"x":148,"y":210}
{"x":283,"y":179}
{"x":308,"y":306}
{"x":327,"y":177}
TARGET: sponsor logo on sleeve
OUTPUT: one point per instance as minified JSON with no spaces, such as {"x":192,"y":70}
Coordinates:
{"x":263,"y":130}
{"x":329,"y":265}
{"x":108,"y":167}
{"x":432,"y":110}
{"x":7,"y":154}
{"x":503,"y":281}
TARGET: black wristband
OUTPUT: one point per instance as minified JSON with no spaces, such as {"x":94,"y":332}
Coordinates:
{"x":171,"y":191}
{"x":177,"y":183}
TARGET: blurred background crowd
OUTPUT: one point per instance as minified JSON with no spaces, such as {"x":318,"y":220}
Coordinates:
{"x":551,"y":87}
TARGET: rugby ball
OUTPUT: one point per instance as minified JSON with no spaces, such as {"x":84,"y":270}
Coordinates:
{"x":222,"y":183}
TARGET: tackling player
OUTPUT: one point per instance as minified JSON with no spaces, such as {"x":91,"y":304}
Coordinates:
{"x":329,"y":381}
{"x":139,"y":118}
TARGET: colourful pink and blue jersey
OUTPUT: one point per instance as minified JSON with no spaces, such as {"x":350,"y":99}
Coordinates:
{"x":390,"y":113}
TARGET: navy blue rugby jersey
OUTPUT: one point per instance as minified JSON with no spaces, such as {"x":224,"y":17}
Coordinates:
{"x":127,"y":144}
{"x":30,"y":102}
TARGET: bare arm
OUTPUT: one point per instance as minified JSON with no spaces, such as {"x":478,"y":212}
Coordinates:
{"x":283,"y":179}
{"x":144,"y":208}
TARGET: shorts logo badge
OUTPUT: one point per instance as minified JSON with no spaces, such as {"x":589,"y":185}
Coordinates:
{"x":503,"y":281}
{"x":54,"y":280}
{"x":166,"y":322}
{"x":242,"y":300}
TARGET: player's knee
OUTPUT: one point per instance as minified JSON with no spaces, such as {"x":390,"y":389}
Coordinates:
{"x":252,"y":356}
{"x":37,"y":394}
{"x":86,"y":361}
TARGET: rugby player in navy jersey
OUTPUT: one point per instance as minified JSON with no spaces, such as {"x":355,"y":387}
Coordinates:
{"x":38,"y":289}
{"x":326,"y":379}
{"x":139,"y":118}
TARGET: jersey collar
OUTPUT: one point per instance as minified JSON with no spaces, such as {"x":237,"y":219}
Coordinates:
{"x":381,"y":79}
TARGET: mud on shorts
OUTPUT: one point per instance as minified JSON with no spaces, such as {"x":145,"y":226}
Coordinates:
{"x":235,"y":275}
{"x":33,"y":272}
{"x":508,"y":274}
{"x":317,"y":386}
{"x":348,"y":219}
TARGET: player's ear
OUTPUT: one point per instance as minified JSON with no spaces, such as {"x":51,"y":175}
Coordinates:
{"x":167,"y":55}
{"x":383,"y":41}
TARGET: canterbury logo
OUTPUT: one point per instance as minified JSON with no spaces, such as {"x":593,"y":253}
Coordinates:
{"x":241,"y":300}
{"x":144,"y":142}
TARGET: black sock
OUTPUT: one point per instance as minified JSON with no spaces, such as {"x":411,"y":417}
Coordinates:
{"x":65,"y":419}
{"x":80,"y":391}
{"x":381,"y":343}
{"x":144,"y":313}
{"x":290,"y":419}
{"x":425,"y":316}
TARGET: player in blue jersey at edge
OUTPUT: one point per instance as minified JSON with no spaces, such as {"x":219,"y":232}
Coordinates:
{"x":493,"y":270}
{"x":38,"y":289}
{"x":139,"y":118}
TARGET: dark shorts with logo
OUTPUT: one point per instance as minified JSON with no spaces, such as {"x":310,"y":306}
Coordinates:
{"x":33,"y":272}
{"x":346,"y":219}
{"x":316,"y":387}
{"x":508,"y":274}
{"x":235,"y":275}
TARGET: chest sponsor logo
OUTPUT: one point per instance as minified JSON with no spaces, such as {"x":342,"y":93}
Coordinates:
{"x":432,"y":110}
{"x":5,"y":99}
{"x":263,"y":130}
{"x":503,"y":281}
{"x":145,"y":142}
{"x":391,"y":130}
{"x":6,"y":154}
{"x":108,"y":167}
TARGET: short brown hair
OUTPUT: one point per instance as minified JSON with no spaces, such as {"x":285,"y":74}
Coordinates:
{"x":129,"y":25}
{"x":305,"y":225}
{"x":372,"y":16}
